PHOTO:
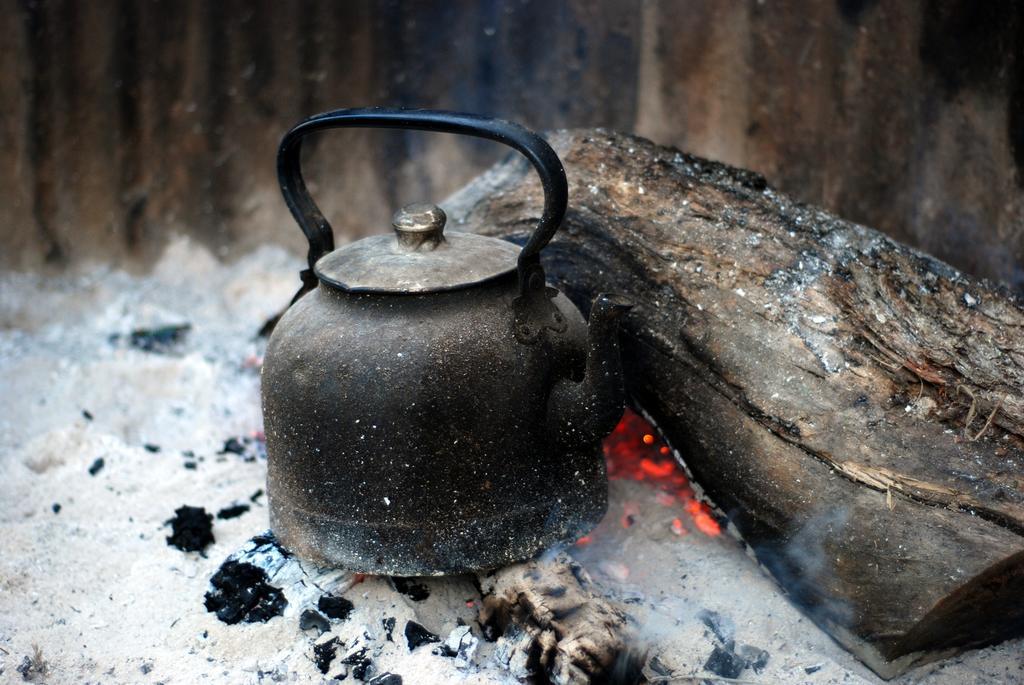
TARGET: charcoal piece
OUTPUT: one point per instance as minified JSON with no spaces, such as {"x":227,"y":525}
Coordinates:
{"x":386,"y":679}
{"x":417,"y":592}
{"x":813,"y":669}
{"x":96,"y":466}
{"x":256,"y":495}
{"x":658,"y":667}
{"x":157,"y":340}
{"x":755,"y":657}
{"x":311,"y":618}
{"x":191,"y":529}
{"x":264,"y":538}
{"x":233,"y":446}
{"x":417,"y":635}
{"x":190,"y":465}
{"x":724,"y":662}
{"x":334,"y":607}
{"x":234,"y":511}
{"x":362,"y":669}
{"x":324,"y":653}
{"x":150,"y":447}
{"x":461,"y":644}
{"x":87,"y":415}
{"x":389,"y":628}
{"x":361,"y":666}
{"x":723,"y":627}
{"x":241,"y":593}
{"x":56,"y":507}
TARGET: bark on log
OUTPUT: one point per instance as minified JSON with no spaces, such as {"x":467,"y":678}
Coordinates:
{"x":852,"y":405}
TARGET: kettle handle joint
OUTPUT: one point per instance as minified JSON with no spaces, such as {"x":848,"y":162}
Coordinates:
{"x":544,"y":160}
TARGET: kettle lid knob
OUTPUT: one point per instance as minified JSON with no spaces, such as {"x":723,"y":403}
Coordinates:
{"x":419,"y":226}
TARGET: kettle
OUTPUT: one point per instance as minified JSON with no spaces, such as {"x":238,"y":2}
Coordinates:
{"x":431,"y":405}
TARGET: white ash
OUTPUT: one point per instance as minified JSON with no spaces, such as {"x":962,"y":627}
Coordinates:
{"x":92,"y":592}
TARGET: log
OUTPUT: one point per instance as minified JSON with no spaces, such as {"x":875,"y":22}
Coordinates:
{"x":853,"y":406}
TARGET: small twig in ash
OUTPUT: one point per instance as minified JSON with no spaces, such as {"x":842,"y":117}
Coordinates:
{"x":970,"y":412}
{"x":990,"y":417}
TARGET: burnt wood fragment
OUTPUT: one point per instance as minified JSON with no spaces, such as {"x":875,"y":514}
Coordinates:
{"x":551,"y":624}
{"x":852,"y":405}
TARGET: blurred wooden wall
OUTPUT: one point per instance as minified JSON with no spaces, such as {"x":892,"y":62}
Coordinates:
{"x":127,"y":120}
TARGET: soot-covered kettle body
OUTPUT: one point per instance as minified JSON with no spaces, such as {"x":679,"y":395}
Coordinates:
{"x":431,"y":404}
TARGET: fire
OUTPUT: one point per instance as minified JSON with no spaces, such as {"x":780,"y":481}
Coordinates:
{"x":633,"y":452}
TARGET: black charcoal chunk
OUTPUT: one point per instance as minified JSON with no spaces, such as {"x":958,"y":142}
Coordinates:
{"x":311,"y":618}
{"x":56,"y":507}
{"x":361,"y":666}
{"x":445,"y":651}
{"x":417,"y":635}
{"x":25,"y":668}
{"x":417,"y":592}
{"x":191,"y":529}
{"x":233,"y":446}
{"x":249,"y":449}
{"x":96,"y":466}
{"x":334,"y":607}
{"x":725,"y":663}
{"x":150,"y":447}
{"x":267,"y":539}
{"x":87,"y":415}
{"x":158,"y":340}
{"x":241,"y":593}
{"x":658,"y":667}
{"x":389,"y":628}
{"x":234,"y":511}
{"x":324,"y":653}
{"x":813,"y":669}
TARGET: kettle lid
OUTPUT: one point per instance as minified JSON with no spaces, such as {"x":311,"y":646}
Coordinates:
{"x":419,"y":257}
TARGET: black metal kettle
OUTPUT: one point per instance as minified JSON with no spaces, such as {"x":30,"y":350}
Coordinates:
{"x":431,"y":405}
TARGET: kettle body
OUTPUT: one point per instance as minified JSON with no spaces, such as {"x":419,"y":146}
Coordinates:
{"x":427,"y":414}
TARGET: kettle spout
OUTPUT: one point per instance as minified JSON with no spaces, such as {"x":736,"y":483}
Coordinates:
{"x":584,"y":412}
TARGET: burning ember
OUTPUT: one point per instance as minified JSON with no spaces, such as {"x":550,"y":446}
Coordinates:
{"x":635,"y":451}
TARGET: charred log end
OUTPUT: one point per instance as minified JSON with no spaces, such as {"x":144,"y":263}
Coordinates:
{"x":983,"y":612}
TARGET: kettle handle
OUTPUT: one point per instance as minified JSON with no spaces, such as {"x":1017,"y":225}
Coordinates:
{"x":318,"y":231}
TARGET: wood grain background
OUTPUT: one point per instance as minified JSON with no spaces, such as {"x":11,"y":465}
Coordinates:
{"x":125,"y":121}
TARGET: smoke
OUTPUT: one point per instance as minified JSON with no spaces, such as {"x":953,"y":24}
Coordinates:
{"x":805,"y":568}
